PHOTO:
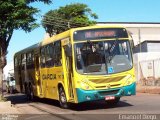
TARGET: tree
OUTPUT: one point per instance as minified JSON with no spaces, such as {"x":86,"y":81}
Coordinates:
{"x":15,"y":14}
{"x":69,"y":16}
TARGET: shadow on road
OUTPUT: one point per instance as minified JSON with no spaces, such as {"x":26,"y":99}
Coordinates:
{"x":21,"y":98}
{"x":16,"y":98}
{"x":98,"y":105}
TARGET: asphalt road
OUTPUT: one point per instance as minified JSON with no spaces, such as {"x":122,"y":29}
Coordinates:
{"x":143,"y":106}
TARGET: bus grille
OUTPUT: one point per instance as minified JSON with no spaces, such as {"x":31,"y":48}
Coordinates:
{"x":113,"y":85}
{"x":107,"y":80}
{"x":104,"y":93}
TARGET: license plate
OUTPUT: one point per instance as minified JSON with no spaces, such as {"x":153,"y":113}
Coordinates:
{"x":109,"y":97}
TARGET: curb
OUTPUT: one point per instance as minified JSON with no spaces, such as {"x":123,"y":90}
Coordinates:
{"x":148,"y":89}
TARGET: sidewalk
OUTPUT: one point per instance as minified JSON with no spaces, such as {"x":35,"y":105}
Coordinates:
{"x":148,"y":89}
{"x":7,"y":108}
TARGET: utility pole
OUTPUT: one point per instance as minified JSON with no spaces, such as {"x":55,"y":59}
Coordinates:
{"x":69,"y":25}
{"x":139,"y":35}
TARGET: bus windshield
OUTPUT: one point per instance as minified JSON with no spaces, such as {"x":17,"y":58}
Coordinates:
{"x":103,"y":57}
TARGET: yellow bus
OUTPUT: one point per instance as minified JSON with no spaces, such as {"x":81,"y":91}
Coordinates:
{"x":79,"y":65}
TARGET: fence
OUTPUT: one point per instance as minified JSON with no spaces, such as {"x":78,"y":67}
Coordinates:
{"x":149,"y":72}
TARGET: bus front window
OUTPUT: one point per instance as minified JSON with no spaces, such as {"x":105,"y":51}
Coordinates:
{"x":90,"y":57}
{"x":106,"y":57}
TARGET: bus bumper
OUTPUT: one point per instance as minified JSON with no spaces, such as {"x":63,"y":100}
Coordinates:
{"x":91,"y":95}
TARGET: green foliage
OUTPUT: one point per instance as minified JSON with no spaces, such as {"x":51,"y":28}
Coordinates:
{"x":45,"y":1}
{"x":69,"y":16}
{"x":16,"y":14}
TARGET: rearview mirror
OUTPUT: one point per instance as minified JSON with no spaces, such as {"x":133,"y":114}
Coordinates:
{"x":131,"y":43}
{"x":68,"y":50}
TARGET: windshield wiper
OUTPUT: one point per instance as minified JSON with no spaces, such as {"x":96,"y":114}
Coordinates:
{"x":111,"y":56}
{"x":113,"y":46}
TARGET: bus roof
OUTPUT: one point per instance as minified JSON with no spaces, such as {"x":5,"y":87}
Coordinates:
{"x":98,"y":26}
{"x":67,"y":33}
{"x":56,"y":37}
{"x":30,"y":48}
{"x":64,"y":35}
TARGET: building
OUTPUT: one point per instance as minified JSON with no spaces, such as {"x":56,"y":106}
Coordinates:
{"x":141,"y":31}
{"x":8,"y":69}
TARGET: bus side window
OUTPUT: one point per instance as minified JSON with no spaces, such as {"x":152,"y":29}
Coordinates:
{"x":15,"y":62}
{"x":30,"y":60}
{"x":57,"y":55}
{"x":49,"y":55}
{"x":42,"y":58}
{"x":23,"y":61}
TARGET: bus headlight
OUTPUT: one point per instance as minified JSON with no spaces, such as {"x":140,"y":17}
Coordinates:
{"x":129,"y":80}
{"x":85,"y":86}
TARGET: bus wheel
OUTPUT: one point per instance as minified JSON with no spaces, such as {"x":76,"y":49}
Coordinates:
{"x":113,"y":102}
{"x":62,"y":98}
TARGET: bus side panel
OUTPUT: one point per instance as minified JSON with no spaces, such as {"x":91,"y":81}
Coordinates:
{"x":31,"y":77}
{"x":54,"y":77}
{"x":18,"y":74}
{"x":43,"y":78}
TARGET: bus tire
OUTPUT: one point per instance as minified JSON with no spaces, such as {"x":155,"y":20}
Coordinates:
{"x":62,"y":98}
{"x":114,"y":102}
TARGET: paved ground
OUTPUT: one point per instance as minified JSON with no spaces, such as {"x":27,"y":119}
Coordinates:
{"x":144,"y":106}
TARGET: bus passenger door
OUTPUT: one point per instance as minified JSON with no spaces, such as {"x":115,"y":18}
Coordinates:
{"x":37,"y":76}
{"x":69,"y":76}
{"x":68,"y":68}
{"x":43,"y":72}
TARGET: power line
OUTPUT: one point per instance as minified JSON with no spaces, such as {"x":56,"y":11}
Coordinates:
{"x":60,"y":20}
{"x":60,"y":23}
{"x":57,"y":24}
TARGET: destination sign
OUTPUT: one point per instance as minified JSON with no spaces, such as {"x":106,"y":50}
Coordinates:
{"x":95,"y":34}
{"x":100,"y":33}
